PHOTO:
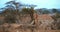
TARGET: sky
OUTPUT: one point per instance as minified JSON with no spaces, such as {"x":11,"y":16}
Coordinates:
{"x":40,"y":3}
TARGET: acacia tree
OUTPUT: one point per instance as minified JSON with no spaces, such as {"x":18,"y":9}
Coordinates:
{"x":29,"y":11}
{"x":12,"y":10}
{"x":14,"y":5}
{"x":55,"y":10}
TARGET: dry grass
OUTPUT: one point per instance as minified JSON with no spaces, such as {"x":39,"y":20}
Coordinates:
{"x":41,"y":27}
{"x":23,"y":28}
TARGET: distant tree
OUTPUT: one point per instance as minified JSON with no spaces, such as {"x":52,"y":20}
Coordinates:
{"x":46,"y":12}
{"x":54,"y":10}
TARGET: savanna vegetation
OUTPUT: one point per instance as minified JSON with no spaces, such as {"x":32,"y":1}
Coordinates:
{"x":18,"y":17}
